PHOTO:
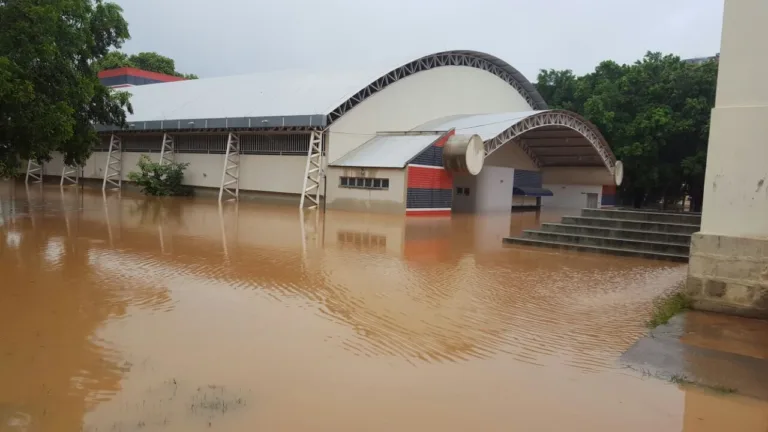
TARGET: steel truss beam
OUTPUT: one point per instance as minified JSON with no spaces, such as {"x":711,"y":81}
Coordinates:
{"x":252,"y":130}
{"x":553,"y":118}
{"x":230,"y":176}
{"x":167,"y":155}
{"x":34,"y":171}
{"x":431,"y":62}
{"x":113,"y":171}
{"x":313,"y":173}
{"x":70,"y":175}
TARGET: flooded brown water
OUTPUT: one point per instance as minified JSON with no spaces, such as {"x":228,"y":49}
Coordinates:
{"x":125,"y":313}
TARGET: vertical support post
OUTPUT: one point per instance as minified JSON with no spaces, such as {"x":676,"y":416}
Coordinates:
{"x":230,"y":176}
{"x":70,"y":175}
{"x":114,"y":166}
{"x":729,"y":256}
{"x":167,"y":151}
{"x":313,"y":173}
{"x":34,"y":171}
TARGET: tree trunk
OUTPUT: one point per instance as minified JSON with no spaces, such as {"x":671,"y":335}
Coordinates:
{"x":638,"y":196}
{"x":697,"y":197}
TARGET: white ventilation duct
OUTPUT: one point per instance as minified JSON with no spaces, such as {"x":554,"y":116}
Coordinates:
{"x":464,"y":154}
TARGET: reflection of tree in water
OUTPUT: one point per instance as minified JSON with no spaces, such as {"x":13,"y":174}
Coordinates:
{"x":52,"y":366}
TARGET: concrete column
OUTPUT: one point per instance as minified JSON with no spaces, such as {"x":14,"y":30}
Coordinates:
{"x":728,"y":270}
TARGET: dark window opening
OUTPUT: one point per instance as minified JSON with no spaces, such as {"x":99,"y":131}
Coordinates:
{"x":364,"y":183}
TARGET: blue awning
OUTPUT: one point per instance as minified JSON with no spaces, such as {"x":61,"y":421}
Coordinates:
{"x":531,"y":191}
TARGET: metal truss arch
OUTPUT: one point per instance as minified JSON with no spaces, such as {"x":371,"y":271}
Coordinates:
{"x":472,"y":59}
{"x":559,"y":118}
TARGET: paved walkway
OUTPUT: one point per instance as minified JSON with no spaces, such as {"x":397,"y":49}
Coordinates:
{"x":714,"y":350}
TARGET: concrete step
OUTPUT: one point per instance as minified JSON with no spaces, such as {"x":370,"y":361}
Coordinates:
{"x":652,"y":236}
{"x":647,"y":216}
{"x":597,"y":249}
{"x":609,"y":242}
{"x":631,"y":224}
{"x":654,"y":210}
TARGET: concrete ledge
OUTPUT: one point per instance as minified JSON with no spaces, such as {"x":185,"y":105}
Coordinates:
{"x":595,"y":249}
{"x":729,"y":275}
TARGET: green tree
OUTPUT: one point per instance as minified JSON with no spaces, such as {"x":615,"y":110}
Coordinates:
{"x":655,"y":115}
{"x":114,"y":60}
{"x":154,"y":62}
{"x":149,"y":61}
{"x":50,"y":95}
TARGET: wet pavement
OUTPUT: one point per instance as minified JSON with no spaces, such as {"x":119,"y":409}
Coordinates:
{"x":126,"y":313}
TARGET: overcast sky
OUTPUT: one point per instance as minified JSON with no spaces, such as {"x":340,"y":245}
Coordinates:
{"x":227,"y":37}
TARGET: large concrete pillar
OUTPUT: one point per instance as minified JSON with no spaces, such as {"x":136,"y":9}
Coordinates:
{"x":728,"y":270}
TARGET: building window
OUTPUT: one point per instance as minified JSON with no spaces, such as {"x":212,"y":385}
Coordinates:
{"x":462,"y":191}
{"x":364,"y":183}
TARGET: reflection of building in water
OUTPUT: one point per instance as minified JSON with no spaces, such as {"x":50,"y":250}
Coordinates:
{"x":427,"y":288}
{"x":362,"y":240}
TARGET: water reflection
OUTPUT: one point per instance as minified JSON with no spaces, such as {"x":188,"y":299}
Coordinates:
{"x":53,"y":367}
{"x":146,"y":303}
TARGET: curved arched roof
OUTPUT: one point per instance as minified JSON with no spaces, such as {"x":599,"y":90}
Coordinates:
{"x":550,"y":137}
{"x":295,"y":98}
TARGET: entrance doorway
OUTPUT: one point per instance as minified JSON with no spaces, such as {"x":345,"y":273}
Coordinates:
{"x":592,"y":200}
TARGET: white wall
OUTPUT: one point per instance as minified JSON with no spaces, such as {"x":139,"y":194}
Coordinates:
{"x":268,"y":173}
{"x":494,"y":189}
{"x":391,"y":200}
{"x":569,"y":196}
{"x":736,"y":181}
{"x":510,"y":155}
{"x":422,"y":97}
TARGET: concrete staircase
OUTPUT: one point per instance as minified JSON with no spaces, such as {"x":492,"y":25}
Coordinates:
{"x":646,"y":234}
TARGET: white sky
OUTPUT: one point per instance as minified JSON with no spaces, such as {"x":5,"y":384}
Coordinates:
{"x":227,"y":37}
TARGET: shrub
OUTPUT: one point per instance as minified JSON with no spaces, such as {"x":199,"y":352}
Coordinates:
{"x":665,"y":307}
{"x":160,"y":180}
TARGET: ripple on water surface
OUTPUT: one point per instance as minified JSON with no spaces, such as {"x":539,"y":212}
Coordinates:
{"x":130,"y":294}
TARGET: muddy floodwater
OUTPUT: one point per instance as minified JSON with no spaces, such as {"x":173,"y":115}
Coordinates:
{"x":119,"y":313}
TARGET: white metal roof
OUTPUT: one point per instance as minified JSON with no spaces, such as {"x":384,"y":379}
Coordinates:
{"x":292,"y":98}
{"x":387,"y":151}
{"x":488,"y":126}
{"x":549,"y":137}
{"x":281,"y":93}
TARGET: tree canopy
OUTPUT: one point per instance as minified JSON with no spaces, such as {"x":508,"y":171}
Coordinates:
{"x":655,"y":115}
{"x":150,"y":61}
{"x":50,"y":95}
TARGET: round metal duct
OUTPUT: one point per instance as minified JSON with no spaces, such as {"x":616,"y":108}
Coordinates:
{"x":464,"y":154}
{"x":618,"y":173}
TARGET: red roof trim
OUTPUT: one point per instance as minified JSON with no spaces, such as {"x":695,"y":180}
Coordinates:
{"x":138,"y":73}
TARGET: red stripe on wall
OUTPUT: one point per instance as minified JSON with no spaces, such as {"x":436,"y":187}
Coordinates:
{"x":609,"y":189}
{"x":441,"y":142}
{"x":138,"y":73}
{"x":429,"y":178}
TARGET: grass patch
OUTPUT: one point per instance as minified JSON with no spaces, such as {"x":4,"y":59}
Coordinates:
{"x":683,"y":380}
{"x":664,"y":308}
